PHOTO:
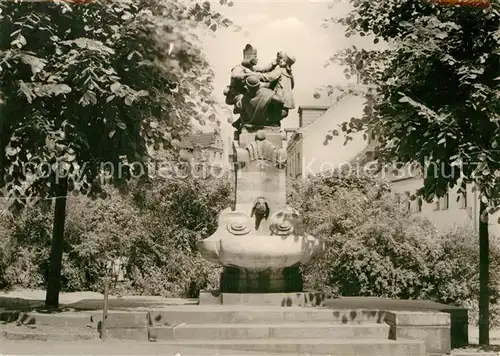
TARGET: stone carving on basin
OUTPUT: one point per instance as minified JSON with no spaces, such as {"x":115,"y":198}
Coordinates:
{"x":236,"y":243}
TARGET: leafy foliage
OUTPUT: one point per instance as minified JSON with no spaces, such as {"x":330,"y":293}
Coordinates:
{"x":375,"y":247}
{"x":155,"y":230}
{"x":88,"y":88}
{"x":434,"y":95}
{"x":185,"y":211}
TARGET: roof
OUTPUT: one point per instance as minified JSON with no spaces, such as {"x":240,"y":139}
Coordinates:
{"x":203,"y":140}
{"x":313,"y":107}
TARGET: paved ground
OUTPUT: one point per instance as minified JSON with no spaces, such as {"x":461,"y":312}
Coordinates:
{"x":68,"y":298}
{"x":474,"y":336}
{"x":29,"y":299}
{"x":134,"y":348}
{"x":96,"y":348}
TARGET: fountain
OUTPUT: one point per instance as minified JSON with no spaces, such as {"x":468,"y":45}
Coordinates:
{"x":261,"y":242}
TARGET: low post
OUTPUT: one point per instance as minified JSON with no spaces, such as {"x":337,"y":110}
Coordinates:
{"x":105,"y":309}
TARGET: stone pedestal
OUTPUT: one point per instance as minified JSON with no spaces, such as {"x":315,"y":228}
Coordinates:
{"x":262,"y":242}
{"x":262,"y":162}
{"x":287,"y":280}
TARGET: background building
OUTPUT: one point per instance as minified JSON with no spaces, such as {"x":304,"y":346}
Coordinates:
{"x":310,"y":153}
{"x":208,"y":147}
{"x":207,"y":151}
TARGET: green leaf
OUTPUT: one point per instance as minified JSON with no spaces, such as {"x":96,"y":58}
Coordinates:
{"x":10,"y":151}
{"x":115,"y":88}
{"x":129,"y":100}
{"x":36,"y":64}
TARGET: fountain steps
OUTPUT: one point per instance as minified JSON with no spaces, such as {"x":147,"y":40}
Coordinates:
{"x":293,"y":330}
{"x":316,"y":346}
{"x":252,"y":331}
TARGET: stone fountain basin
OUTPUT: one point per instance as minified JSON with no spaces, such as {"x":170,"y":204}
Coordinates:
{"x":261,"y":252}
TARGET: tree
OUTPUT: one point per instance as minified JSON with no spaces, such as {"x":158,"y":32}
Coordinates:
{"x":86,"y":89}
{"x":435,"y":98}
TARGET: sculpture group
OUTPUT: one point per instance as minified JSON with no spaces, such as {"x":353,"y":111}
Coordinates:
{"x":261,"y":242}
{"x":262,"y":96}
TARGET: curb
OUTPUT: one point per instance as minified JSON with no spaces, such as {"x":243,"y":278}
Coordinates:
{"x":475,"y":353}
{"x":41,"y":336}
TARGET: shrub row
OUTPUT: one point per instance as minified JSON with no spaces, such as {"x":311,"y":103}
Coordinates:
{"x":377,"y":248}
{"x":155,"y":231}
{"x":374,"y":248}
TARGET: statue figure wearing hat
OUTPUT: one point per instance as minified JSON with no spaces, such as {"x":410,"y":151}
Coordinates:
{"x":259,"y":106}
{"x":239,"y":73}
{"x":281,"y":80}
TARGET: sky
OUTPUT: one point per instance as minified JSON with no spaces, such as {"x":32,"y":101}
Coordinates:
{"x":294,"y":26}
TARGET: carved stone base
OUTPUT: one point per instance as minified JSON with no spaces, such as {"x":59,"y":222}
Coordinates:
{"x":287,"y":280}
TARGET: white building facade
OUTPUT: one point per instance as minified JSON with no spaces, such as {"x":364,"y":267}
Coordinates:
{"x":309,"y":154}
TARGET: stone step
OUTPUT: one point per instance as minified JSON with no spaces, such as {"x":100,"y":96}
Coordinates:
{"x":8,"y":316}
{"x":190,"y":314}
{"x":125,"y":319}
{"x":331,"y":347}
{"x":59,"y":320}
{"x":241,"y":314}
{"x":21,"y":333}
{"x":216,"y":331}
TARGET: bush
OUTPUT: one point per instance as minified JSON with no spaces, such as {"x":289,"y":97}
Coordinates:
{"x":24,"y":249}
{"x":376,"y":248}
{"x":155,"y":231}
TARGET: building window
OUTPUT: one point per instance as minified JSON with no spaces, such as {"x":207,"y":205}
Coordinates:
{"x":436,"y":204}
{"x":445,"y":202}
{"x":463,"y":200}
{"x":299,"y":165}
{"x":420,"y":202}
{"x":407,"y":202}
